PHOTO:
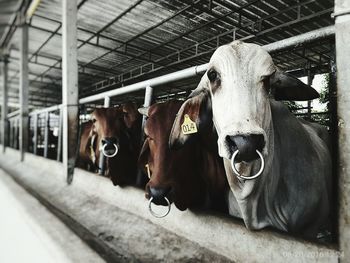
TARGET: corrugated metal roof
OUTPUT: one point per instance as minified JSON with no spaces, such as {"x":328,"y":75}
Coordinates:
{"x":135,"y":40}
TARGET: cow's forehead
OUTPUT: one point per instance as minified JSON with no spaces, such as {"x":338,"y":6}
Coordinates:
{"x":242,"y":55}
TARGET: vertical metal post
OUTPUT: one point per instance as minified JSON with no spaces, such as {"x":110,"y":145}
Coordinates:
{"x":59,"y":141}
{"x":70,"y":89}
{"x":23,"y":90}
{"x":333,"y":123}
{"x":101,"y":161}
{"x":4,"y":108}
{"x":342,"y":37}
{"x":10,"y":132}
{"x":17,"y":130}
{"x":46,"y":134}
{"x":35,"y":134}
{"x":147,"y":102}
{"x":310,"y":78}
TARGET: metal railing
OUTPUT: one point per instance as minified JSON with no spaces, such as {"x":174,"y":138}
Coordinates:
{"x":148,"y":86}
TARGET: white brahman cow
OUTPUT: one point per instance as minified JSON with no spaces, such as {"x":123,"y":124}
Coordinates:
{"x":278,"y":167}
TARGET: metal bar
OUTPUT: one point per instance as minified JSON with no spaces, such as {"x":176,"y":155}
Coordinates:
{"x":4,"y":106}
{"x":23,"y":90}
{"x":182,"y":74}
{"x":13,"y":114}
{"x":147,"y":103}
{"x":49,"y":109}
{"x":16,"y":137}
{"x":35,"y":134}
{"x":310,"y":78}
{"x":59,"y":141}
{"x":342,"y":25}
{"x":10,"y":133}
{"x":33,"y":6}
{"x":305,"y":38}
{"x":70,"y":86}
{"x":102,"y":160}
{"x":46,"y":134}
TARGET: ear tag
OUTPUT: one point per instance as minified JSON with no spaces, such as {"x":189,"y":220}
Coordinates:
{"x":188,"y":126}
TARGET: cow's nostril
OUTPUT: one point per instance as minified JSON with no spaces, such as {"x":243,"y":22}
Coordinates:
{"x":246,"y":145}
{"x":159,"y":194}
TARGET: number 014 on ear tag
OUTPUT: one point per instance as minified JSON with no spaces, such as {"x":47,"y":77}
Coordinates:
{"x":188,"y":126}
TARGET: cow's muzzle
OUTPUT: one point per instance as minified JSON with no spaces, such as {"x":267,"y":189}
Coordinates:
{"x":247,"y":146}
{"x":109,"y":147}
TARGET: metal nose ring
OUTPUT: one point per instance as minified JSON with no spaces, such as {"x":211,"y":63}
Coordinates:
{"x":247,"y":177}
{"x":154,"y":213}
{"x":109,"y":155}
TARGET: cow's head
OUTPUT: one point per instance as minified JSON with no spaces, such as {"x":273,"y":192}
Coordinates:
{"x":172,"y":173}
{"x":240,"y":80}
{"x":111,"y":126}
{"x":108,"y":123}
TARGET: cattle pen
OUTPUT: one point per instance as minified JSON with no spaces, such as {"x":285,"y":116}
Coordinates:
{"x":60,"y":59}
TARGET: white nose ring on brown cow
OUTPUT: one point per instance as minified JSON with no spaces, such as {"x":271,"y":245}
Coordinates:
{"x":109,"y":155}
{"x":247,"y":177}
{"x":154,"y":213}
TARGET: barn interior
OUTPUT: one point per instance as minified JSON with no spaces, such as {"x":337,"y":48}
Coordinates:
{"x":120,"y":43}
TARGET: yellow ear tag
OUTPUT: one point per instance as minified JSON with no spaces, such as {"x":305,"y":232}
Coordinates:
{"x":188,"y":126}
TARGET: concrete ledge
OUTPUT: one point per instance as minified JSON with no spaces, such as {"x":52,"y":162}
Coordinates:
{"x":217,"y":234}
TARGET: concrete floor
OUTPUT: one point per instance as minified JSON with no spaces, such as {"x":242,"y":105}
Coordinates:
{"x":30,"y":233}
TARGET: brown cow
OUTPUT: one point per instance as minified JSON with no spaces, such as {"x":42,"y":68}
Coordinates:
{"x":115,"y":131}
{"x":190,"y":176}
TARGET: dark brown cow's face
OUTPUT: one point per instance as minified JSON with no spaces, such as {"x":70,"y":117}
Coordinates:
{"x":114,"y":141}
{"x":173,"y":174}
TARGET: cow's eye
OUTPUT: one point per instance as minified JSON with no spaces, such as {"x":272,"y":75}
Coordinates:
{"x":93,"y":120}
{"x":212,"y":75}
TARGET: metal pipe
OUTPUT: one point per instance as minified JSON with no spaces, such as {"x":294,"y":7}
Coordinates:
{"x":23,"y":90}
{"x":147,"y":103}
{"x":35,"y":134}
{"x":310,"y":78}
{"x":10,"y":133}
{"x":31,"y":10}
{"x":59,"y":141}
{"x":102,"y":160}
{"x":16,"y":136}
{"x":182,"y":74}
{"x":70,"y":91}
{"x":46,"y":134}
{"x":4,"y":106}
{"x":342,"y":25}
{"x":49,"y":109}
{"x":13,"y":114}
{"x":305,"y":38}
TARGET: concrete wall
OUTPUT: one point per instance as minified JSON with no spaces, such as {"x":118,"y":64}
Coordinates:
{"x":222,"y":235}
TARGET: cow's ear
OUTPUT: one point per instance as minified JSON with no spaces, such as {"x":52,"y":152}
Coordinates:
{"x":284,"y":86}
{"x":197,"y":109}
{"x":144,"y":153}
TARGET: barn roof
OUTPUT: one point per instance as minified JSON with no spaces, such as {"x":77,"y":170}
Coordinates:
{"x":122,"y":42}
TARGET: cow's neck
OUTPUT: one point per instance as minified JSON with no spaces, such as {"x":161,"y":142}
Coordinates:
{"x":250,"y":196}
